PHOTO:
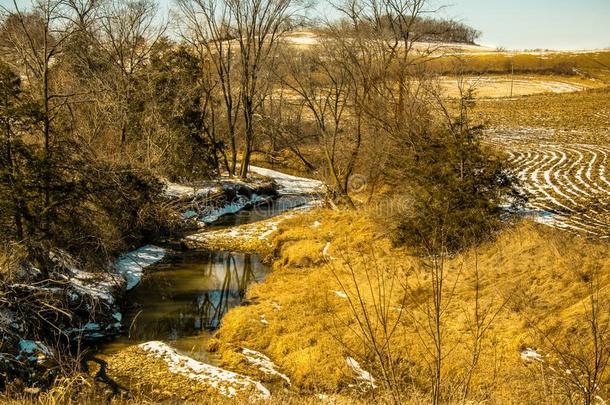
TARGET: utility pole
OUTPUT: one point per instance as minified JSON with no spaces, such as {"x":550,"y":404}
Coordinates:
{"x":512,"y":77}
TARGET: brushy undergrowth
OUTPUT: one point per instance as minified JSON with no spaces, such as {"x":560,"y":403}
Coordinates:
{"x":83,"y":390}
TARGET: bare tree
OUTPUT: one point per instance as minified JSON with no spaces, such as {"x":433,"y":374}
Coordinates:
{"x":377,"y":310}
{"x":325,"y":87}
{"x":258,"y":27}
{"x":479,"y":321}
{"x":240,"y":38}
{"x":391,"y":64}
{"x":129,"y":33}
{"x":365,"y":86}
{"x":208,"y":28}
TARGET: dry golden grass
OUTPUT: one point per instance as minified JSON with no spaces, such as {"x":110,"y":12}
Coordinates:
{"x":537,"y":270}
{"x":588,"y":64}
{"x":93,"y":394}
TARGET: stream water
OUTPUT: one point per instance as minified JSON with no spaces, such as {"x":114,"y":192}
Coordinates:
{"x":182,"y":300}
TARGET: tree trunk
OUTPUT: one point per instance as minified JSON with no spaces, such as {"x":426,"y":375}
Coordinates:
{"x":249,"y":137}
{"x":46,"y":133}
{"x":245,"y":161}
{"x":17,"y":204}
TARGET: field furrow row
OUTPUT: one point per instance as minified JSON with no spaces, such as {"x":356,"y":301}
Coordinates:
{"x":567,"y":185}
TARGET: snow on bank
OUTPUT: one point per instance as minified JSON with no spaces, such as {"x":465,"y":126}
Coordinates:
{"x":290,"y":185}
{"x":257,"y":232}
{"x":264,"y":364}
{"x":241,"y":195}
{"x":34,"y":351}
{"x":225,"y":382}
{"x":174,"y":190}
{"x":361,"y":374}
{"x":132,"y":264}
{"x":272,"y":228}
{"x":100,"y":286}
{"x":241,"y":203}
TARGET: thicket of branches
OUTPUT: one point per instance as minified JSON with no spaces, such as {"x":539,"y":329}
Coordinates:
{"x":64,"y":182}
{"x":420,"y":27}
{"x":441,"y":30}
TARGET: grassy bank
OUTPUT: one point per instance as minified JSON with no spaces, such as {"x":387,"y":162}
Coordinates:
{"x":526,"y":289}
{"x":531,"y":280}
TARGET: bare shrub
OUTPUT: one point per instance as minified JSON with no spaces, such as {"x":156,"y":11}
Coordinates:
{"x":403,"y":324}
{"x":575,"y":355}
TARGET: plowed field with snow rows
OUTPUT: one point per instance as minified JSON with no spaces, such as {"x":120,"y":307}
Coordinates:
{"x":568,"y":185}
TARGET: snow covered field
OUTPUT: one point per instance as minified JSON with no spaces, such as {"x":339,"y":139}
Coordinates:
{"x":505,"y":86}
{"x":568,"y":184}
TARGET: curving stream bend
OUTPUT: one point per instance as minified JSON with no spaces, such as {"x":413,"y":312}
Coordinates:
{"x":182,"y":300}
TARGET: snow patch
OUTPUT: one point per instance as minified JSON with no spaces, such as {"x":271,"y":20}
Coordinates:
{"x":240,"y":203}
{"x":260,"y":230}
{"x":263,"y":363}
{"x":326,"y":249}
{"x":91,"y":326}
{"x":190,"y":214}
{"x":530,"y":355}
{"x":303,"y":38}
{"x":34,"y":350}
{"x":132,"y":264}
{"x":225,"y":382}
{"x":361,"y":374}
{"x":95,"y":285}
{"x":268,"y":232}
{"x":290,"y":185}
{"x":340,"y":294}
{"x":264,"y":320}
{"x":173,"y":190}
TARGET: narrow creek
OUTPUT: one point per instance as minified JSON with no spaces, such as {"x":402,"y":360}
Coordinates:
{"x":182,"y":300}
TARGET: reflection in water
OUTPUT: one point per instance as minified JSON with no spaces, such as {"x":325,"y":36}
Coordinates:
{"x":182,"y":300}
{"x":185,"y":298}
{"x":211,"y":305}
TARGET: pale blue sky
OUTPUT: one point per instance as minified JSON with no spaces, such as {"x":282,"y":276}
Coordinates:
{"x":555,"y":24}
{"x":527,"y":24}
{"x":520,"y":24}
